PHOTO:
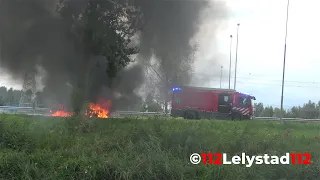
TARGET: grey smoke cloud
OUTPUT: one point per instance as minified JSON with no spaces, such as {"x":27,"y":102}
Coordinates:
{"x":170,"y":29}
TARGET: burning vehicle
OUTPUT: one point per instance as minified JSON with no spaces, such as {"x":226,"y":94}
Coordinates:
{"x":99,"y":110}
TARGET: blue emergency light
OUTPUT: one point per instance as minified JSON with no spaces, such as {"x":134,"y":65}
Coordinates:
{"x":176,"y":89}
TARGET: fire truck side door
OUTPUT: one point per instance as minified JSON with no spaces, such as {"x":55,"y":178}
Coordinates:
{"x":224,"y":103}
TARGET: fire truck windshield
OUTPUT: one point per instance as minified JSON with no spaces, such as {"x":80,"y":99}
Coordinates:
{"x":245,"y":100}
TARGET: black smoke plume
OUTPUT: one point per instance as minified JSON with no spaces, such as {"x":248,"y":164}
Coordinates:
{"x":33,"y":34}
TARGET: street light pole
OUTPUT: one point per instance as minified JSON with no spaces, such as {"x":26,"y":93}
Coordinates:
{"x":230,"y":62}
{"x":221,"y":76}
{"x":284,"y":64}
{"x":235,"y":71}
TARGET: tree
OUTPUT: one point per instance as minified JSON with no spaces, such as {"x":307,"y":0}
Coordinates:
{"x":16,"y":97}
{"x":2,"y":102}
{"x":268,"y":111}
{"x":295,"y":111}
{"x":100,"y":28}
{"x":277,"y":112}
{"x":318,"y":108}
{"x":103,"y":28}
{"x":258,"y":109}
{"x":3,"y":91}
{"x":10,"y":97}
{"x":309,"y":110}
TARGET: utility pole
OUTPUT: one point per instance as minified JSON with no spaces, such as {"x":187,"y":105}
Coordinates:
{"x":230,"y":62}
{"x":235,"y":71}
{"x":221,"y":76}
{"x":284,"y":63}
{"x":28,"y":92}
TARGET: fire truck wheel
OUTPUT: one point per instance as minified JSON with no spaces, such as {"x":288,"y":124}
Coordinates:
{"x":190,"y":115}
{"x":237,"y":117}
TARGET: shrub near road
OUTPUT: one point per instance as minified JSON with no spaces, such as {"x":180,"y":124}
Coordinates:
{"x":51,"y":148}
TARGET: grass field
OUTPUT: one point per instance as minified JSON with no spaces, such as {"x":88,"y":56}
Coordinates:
{"x":58,"y":148}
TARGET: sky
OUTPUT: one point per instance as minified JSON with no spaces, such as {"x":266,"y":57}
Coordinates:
{"x":260,"y":51}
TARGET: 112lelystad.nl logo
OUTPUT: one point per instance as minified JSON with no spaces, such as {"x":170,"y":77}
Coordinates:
{"x":223,"y":158}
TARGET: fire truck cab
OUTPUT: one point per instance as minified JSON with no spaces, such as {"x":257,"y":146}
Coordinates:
{"x":211,"y":103}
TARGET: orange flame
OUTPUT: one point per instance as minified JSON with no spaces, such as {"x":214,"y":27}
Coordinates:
{"x":100,"y":110}
{"x":61,"y":112}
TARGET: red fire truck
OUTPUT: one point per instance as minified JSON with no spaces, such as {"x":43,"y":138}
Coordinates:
{"x":198,"y":102}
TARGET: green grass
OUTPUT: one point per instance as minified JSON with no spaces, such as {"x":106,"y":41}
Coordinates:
{"x":58,"y":148}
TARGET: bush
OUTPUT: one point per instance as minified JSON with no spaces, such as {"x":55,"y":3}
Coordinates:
{"x":78,"y":148}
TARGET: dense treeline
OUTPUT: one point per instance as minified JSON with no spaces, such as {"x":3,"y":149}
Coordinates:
{"x":309,"y":110}
{"x":11,"y":97}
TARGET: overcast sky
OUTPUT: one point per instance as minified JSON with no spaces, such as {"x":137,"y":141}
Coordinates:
{"x":261,"y":51}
